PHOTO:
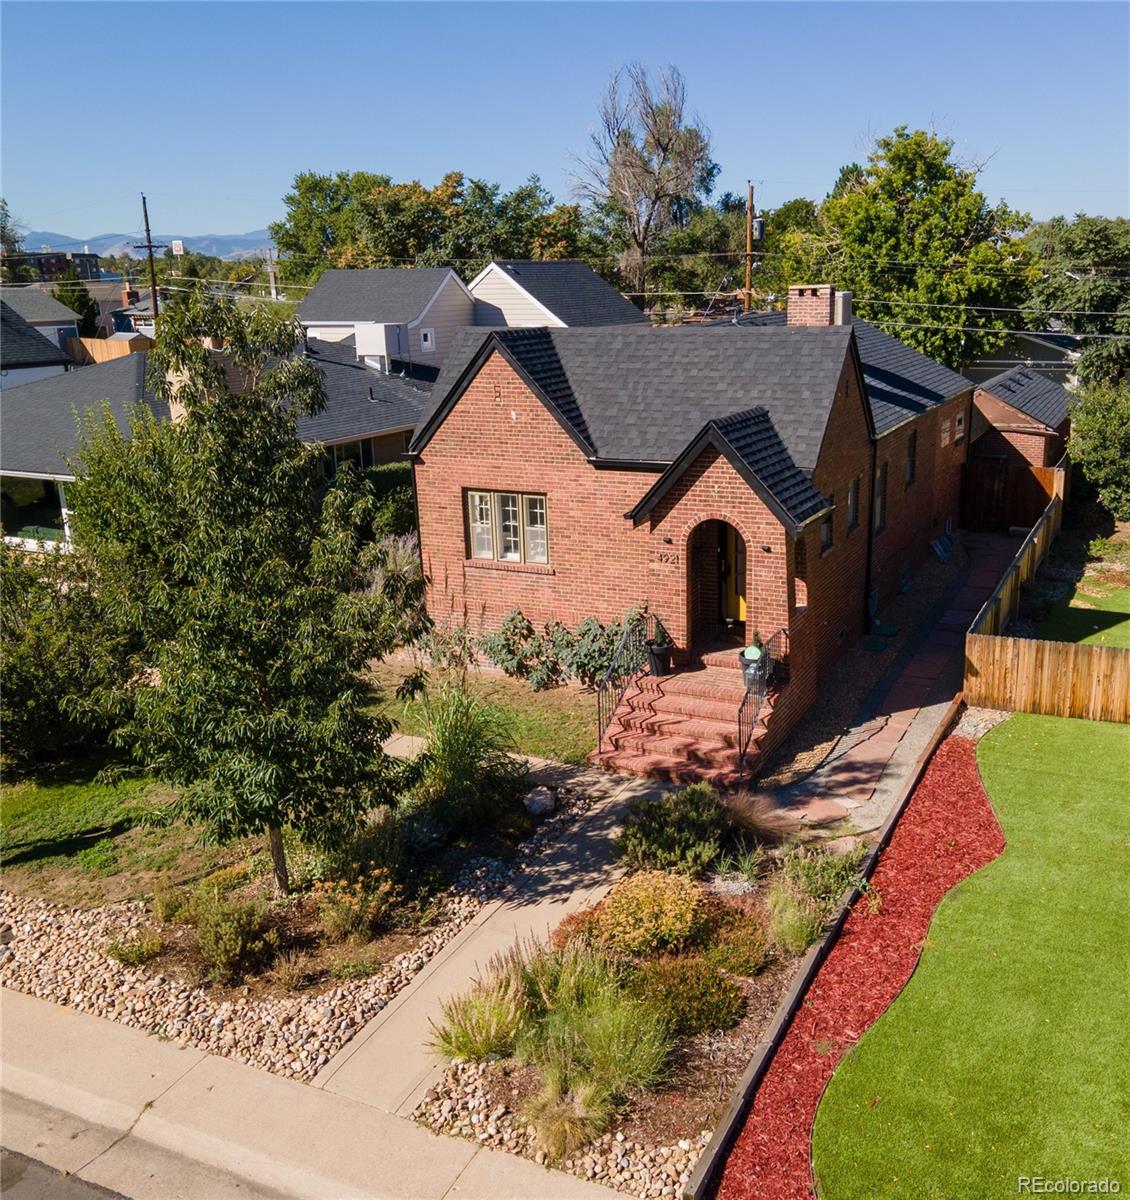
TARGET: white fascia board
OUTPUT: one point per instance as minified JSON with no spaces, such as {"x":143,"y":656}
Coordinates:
{"x":554,"y":319}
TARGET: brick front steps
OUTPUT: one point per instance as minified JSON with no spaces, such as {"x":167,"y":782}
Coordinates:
{"x":684,"y":727}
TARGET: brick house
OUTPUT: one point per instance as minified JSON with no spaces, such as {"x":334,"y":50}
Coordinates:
{"x":779,"y":476}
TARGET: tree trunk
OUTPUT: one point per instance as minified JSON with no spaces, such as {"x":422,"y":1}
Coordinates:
{"x":278,"y":858}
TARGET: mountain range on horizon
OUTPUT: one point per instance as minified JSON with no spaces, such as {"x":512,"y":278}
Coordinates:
{"x":222,"y":245}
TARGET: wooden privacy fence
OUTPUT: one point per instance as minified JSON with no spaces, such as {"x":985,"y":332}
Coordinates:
{"x":1060,"y":679}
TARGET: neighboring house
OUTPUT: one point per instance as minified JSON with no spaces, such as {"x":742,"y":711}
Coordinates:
{"x":25,"y":354}
{"x":42,"y":311}
{"x":111,"y":295}
{"x":41,"y":422}
{"x":408,"y":317}
{"x":369,"y":414}
{"x":557,"y":292}
{"x":1021,"y":416}
{"x":395,"y":315}
{"x":1051,"y":353}
{"x":775,"y":479}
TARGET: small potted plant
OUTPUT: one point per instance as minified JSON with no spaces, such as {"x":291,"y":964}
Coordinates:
{"x":753,"y":661}
{"x":659,"y":651}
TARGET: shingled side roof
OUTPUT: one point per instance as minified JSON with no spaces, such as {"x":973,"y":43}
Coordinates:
{"x":35,"y":305}
{"x":360,"y":402}
{"x":22,"y":345}
{"x":901,"y":383}
{"x":41,"y":420}
{"x":386,"y":295}
{"x":572,"y":291}
{"x":1035,"y":395}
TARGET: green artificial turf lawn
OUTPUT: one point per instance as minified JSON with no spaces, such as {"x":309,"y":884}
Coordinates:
{"x":1008,"y":1052}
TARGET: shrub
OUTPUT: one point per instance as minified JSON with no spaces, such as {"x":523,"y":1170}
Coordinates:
{"x":680,"y":831}
{"x":513,"y":646}
{"x":651,"y":912}
{"x":468,"y":768}
{"x":740,"y":946}
{"x":577,"y":976}
{"x":689,"y":994}
{"x":566,"y":1120}
{"x":139,"y":949}
{"x":391,"y":487}
{"x":592,"y":650}
{"x":234,"y":936}
{"x":795,"y":918}
{"x":355,"y":908}
{"x":821,"y":875}
{"x":623,"y":1044}
{"x":579,"y":926}
{"x":291,"y":970}
{"x":168,"y":904}
{"x":759,"y":816}
{"x":552,"y":651}
{"x":489,"y":1018}
{"x":379,"y":846}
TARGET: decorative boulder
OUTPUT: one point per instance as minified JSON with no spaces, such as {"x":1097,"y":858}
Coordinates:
{"x":540,"y":801}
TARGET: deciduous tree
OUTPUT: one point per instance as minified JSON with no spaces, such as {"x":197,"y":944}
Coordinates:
{"x":217,"y":543}
{"x":1100,"y":442}
{"x":71,"y":291}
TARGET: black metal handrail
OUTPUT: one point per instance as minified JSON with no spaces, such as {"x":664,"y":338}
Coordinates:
{"x":629,"y":661}
{"x":769,"y":668}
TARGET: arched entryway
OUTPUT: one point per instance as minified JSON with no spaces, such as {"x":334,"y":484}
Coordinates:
{"x":716,"y":585}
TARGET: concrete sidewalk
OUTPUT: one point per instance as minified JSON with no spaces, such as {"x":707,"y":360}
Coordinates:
{"x":153,"y":1120}
{"x":862,"y":777}
{"x":389,"y":1064}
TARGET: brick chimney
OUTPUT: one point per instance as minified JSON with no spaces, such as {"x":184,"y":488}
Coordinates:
{"x":129,"y":296}
{"x":812,"y":304}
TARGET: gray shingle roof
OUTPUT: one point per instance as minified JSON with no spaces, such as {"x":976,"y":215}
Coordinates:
{"x":359,"y":401}
{"x":387,"y":295}
{"x":22,"y":345}
{"x":644,"y":395}
{"x":39,"y":422}
{"x":900,"y":382}
{"x":573,"y":292}
{"x":1038,"y":397}
{"x":34,"y":305}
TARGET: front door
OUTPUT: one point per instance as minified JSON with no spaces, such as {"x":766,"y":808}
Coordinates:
{"x":733,"y":574}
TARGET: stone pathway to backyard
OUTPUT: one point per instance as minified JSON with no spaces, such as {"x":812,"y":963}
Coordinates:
{"x":866,"y":770}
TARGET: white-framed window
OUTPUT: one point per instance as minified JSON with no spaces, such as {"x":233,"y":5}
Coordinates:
{"x":826,"y":528}
{"x":959,"y":427}
{"x":853,"y":504}
{"x":946,"y":432}
{"x":912,"y":457}
{"x":427,"y":340}
{"x":508,"y":526}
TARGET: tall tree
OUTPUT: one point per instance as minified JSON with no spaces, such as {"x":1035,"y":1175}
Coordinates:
{"x":216,"y":542}
{"x":649,"y":167}
{"x":1084,"y":287}
{"x":1100,"y":443}
{"x":927,"y":256}
{"x":71,"y":291}
{"x":320,"y":221}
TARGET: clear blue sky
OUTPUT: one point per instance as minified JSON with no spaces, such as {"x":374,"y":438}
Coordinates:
{"x":235,"y":98}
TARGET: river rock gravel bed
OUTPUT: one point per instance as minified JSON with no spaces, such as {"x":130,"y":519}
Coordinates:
{"x":461,"y":1106}
{"x":58,"y":954}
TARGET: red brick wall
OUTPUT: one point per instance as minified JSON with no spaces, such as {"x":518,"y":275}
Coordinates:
{"x":811,"y":304}
{"x":917,"y":513}
{"x":1006,"y":437}
{"x":500,"y":437}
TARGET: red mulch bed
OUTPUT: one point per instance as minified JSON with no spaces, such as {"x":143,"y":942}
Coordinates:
{"x":948,"y":831}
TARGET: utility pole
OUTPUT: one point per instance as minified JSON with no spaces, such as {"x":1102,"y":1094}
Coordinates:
{"x":749,"y":245}
{"x":272,"y":273}
{"x":149,"y":246}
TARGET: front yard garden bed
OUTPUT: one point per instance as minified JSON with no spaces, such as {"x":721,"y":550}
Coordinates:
{"x":61,"y":954}
{"x":612,"y":1051}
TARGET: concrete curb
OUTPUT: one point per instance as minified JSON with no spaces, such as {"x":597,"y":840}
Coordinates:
{"x":708,"y":1168}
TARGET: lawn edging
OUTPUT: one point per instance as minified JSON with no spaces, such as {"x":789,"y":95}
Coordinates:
{"x":713,"y":1157}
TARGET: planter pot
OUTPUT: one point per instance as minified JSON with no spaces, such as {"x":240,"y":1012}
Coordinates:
{"x":659,"y":657}
{"x":753,"y":669}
